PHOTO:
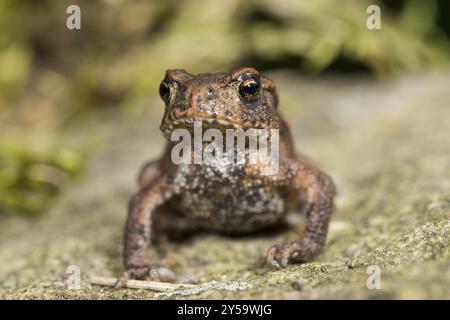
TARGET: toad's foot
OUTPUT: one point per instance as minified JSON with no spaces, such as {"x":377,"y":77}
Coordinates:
{"x":279,"y":255}
{"x":146,"y":271}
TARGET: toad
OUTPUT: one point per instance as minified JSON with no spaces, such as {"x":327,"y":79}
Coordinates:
{"x":217,"y":196}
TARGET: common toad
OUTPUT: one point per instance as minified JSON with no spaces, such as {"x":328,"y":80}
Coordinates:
{"x":220,"y":197}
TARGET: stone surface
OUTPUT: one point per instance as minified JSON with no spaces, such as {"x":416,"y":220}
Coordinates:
{"x":387,"y":145}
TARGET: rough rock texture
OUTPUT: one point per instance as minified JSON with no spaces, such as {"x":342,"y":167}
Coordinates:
{"x":387,"y":147}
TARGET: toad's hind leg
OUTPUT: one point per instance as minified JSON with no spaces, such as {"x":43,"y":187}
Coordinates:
{"x":320,"y":191}
{"x":170,"y":224}
{"x":148,"y":172}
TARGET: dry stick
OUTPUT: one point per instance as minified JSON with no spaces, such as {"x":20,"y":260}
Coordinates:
{"x":139,"y":284}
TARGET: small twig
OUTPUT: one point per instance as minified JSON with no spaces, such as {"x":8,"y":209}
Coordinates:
{"x":139,"y":284}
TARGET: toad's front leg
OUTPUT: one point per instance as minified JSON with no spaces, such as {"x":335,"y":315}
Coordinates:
{"x":138,"y":232}
{"x":320,"y":193}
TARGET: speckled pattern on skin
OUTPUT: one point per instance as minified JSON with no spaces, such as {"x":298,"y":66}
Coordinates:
{"x":233,"y":199}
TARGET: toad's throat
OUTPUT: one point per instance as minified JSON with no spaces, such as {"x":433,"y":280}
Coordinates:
{"x":189,"y":123}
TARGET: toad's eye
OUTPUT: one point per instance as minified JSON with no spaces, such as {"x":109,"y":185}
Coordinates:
{"x":164,"y":91}
{"x":249,"y":87}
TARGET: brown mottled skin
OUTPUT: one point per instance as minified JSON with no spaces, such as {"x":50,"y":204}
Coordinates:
{"x":237,"y":199}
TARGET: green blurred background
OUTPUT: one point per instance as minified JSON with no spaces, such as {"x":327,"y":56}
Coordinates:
{"x":54,"y":81}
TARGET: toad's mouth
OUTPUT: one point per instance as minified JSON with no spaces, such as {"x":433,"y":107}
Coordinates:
{"x":222,"y":124}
